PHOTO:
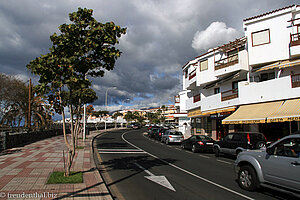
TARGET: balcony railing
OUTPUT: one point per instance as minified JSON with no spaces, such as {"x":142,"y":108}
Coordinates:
{"x":230,"y":94}
{"x":192,"y":74}
{"x":196,"y":98}
{"x":226,"y":62}
{"x":295,"y":39}
{"x":295,"y":80}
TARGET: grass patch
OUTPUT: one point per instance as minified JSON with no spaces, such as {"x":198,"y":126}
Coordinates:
{"x":80,"y":147}
{"x":59,"y":178}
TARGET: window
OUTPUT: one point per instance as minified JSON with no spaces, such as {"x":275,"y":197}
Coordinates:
{"x":288,"y":148}
{"x":217,"y":90}
{"x":267,"y":76}
{"x":260,"y":37}
{"x":186,"y":73}
{"x":203,"y":65}
{"x":228,"y":137}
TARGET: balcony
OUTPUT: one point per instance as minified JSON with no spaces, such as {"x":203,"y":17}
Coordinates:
{"x":230,"y":94}
{"x":295,"y":80}
{"x":190,"y":80}
{"x":192,"y":74}
{"x":295,"y":39}
{"x":226,"y":62}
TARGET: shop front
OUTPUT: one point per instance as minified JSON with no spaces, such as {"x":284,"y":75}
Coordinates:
{"x":210,"y":122}
{"x":274,"y":119}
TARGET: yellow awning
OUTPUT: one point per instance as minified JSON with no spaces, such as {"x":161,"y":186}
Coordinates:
{"x":289,"y":111}
{"x":280,"y":65}
{"x":254,"y":113}
{"x":228,"y":109}
{"x":194,"y":113}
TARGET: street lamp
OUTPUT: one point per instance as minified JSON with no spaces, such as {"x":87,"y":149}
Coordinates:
{"x":106,"y":103}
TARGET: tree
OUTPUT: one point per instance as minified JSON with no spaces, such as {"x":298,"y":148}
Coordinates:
{"x":14,"y":104}
{"x":85,"y":47}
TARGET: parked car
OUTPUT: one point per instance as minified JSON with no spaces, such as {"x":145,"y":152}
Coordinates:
{"x":277,"y":167}
{"x":198,"y":143}
{"x":172,"y":136}
{"x":134,"y":125}
{"x":236,"y":142}
{"x":153,"y":131}
{"x":158,"y":134}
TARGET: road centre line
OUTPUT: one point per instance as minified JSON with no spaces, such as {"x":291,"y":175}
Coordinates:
{"x":188,"y":172}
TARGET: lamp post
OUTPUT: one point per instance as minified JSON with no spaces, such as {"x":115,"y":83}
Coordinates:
{"x":122,"y":102}
{"x":106,"y":103}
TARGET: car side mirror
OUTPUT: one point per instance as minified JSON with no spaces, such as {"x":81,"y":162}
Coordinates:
{"x":270,"y":151}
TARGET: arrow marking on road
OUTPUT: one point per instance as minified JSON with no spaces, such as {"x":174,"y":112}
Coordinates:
{"x":161,"y":180}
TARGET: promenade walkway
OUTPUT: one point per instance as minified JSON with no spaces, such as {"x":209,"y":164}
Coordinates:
{"x":24,"y":172}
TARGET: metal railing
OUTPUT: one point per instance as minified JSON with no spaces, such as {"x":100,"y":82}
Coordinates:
{"x":192,"y":74}
{"x":226,"y":62}
{"x":295,"y":80}
{"x":230,"y":94}
{"x":295,"y":39}
{"x":196,"y":98}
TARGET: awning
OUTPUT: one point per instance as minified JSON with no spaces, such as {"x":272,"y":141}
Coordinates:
{"x":254,"y":113}
{"x":210,"y":112}
{"x":280,"y":65}
{"x":289,"y":111}
{"x":194,"y":113}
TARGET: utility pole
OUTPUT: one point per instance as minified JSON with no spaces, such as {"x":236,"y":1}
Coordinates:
{"x":29,"y":105}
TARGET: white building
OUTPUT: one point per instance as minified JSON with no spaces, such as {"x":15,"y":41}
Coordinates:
{"x":250,"y":84}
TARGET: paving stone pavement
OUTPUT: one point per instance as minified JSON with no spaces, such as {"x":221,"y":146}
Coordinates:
{"x":24,"y":172}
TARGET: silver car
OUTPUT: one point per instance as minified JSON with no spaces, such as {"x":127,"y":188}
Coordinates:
{"x":277,"y":167}
{"x":172,"y":136}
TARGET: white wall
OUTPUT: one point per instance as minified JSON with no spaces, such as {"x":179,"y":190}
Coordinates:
{"x":280,"y":29}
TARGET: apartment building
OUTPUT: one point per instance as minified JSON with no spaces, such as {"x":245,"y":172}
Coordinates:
{"x":250,"y":84}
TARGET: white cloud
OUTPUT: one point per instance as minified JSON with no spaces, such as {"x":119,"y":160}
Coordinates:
{"x":215,"y":35}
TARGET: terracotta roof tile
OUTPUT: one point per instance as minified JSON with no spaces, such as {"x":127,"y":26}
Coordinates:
{"x":268,"y":13}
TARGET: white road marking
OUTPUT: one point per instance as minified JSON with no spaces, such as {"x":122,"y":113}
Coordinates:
{"x":121,"y":151}
{"x":222,"y":161}
{"x":188,"y":172}
{"x":204,"y":156}
{"x":161,"y":180}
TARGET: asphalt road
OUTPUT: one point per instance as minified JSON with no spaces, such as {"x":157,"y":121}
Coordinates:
{"x":135,"y":167}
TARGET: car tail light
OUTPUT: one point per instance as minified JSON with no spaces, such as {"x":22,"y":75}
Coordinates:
{"x":170,"y":136}
{"x":201,"y":143}
{"x":182,"y":137}
{"x":248,"y":138}
{"x":159,"y":134}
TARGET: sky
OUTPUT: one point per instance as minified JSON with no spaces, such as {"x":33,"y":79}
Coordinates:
{"x":162,"y":36}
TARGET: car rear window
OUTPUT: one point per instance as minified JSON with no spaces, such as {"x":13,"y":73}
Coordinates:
{"x":175,"y":133}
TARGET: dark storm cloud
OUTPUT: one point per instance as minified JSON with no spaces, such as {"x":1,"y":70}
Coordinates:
{"x":161,"y":37}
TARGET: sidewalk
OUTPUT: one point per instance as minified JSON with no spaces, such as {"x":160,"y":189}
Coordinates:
{"x":24,"y":172}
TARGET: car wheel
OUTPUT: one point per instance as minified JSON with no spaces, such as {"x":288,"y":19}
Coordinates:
{"x":247,"y":178}
{"x":217,"y":151}
{"x":194,"y":150}
{"x":261,"y":145}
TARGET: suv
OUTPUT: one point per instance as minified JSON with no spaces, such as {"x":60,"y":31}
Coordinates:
{"x":236,"y":142}
{"x":277,"y":167}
